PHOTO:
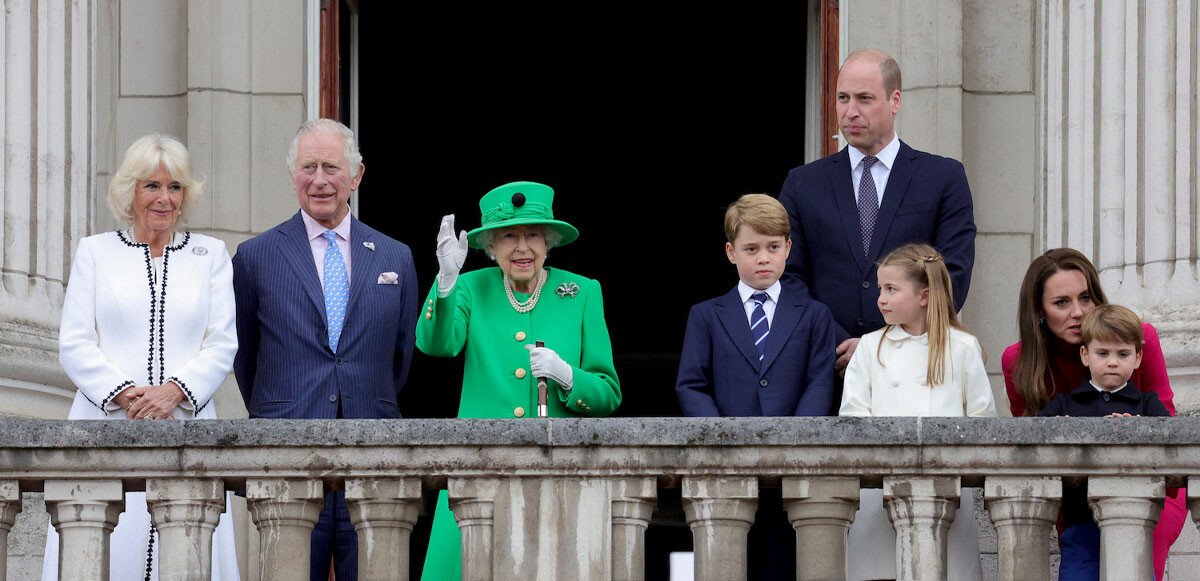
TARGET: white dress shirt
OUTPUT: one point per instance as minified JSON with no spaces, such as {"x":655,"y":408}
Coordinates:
{"x":880,"y":171}
{"x":746,"y":291}
{"x":316,"y":241}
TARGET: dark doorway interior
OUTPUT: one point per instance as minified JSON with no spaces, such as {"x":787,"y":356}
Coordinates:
{"x":646,"y":125}
{"x":646,"y":128}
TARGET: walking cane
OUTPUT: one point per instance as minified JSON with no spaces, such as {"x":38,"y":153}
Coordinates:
{"x":543,"y":411}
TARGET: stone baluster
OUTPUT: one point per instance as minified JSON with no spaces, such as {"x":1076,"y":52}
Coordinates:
{"x":821,"y":510}
{"x":10,"y":505}
{"x":632,"y":506}
{"x":473,"y":503}
{"x":185,"y":512}
{"x":84,"y":512}
{"x":921,"y":509}
{"x":285,"y":512}
{"x":1127,"y":508}
{"x":1024,"y":511}
{"x":383,"y":511}
{"x":1193,"y":497}
{"x":720,"y":511}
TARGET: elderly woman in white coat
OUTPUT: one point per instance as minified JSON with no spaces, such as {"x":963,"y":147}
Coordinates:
{"x":147,"y":330}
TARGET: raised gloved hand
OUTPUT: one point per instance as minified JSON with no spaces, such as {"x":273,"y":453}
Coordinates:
{"x":544,"y":362}
{"x":451,"y":253}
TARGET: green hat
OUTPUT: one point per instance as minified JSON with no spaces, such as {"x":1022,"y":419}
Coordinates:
{"x":518,"y":203}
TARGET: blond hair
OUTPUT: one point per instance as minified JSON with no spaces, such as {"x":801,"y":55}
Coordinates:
{"x":759,"y":211}
{"x":141,"y":160}
{"x":1114,"y":324}
{"x":923,"y":265}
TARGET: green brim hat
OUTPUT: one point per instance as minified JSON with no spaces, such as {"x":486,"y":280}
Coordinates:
{"x":518,"y":203}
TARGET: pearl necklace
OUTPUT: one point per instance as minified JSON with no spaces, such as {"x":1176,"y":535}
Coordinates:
{"x":133,"y":238}
{"x":524,"y":307}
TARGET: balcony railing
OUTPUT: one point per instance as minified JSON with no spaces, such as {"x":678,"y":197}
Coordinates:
{"x":571,"y":498}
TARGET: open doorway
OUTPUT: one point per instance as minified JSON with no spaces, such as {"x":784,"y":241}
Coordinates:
{"x":647,"y":124}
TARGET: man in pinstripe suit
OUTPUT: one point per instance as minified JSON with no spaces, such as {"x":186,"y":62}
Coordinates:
{"x":326,"y":311}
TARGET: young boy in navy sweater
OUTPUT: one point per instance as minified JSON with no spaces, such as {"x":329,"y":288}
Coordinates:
{"x":1111,"y":350}
{"x":759,"y":350}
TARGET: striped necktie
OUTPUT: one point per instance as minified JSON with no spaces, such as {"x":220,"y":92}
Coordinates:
{"x":336,"y":288}
{"x":758,"y":324}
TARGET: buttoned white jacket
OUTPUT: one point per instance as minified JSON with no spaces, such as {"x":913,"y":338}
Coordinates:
{"x":898,"y":386}
{"x":120,"y":328}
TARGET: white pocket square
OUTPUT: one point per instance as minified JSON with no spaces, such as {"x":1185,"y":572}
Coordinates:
{"x":388,"y":278}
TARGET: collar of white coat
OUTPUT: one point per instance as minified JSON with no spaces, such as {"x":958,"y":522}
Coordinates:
{"x":897,"y":334}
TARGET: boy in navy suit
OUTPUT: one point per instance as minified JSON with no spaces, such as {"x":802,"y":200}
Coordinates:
{"x":1112,"y":349}
{"x":759,"y":350}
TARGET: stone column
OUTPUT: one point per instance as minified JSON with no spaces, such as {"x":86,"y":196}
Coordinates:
{"x":720,"y":511}
{"x":1116,"y":163}
{"x":285,"y":511}
{"x":632,"y":507}
{"x":821,"y":510}
{"x":1024,"y":511}
{"x":473,"y":502}
{"x":921,"y":508}
{"x":83,"y":512}
{"x":10,"y":505}
{"x":1127,"y":508}
{"x":383,"y":511}
{"x":185,"y":512}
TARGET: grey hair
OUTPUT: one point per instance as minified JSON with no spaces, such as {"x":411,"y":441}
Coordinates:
{"x":487,"y":237}
{"x":141,"y":160}
{"x":328,"y":126}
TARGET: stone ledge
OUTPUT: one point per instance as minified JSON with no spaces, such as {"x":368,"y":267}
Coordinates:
{"x":576,"y":432}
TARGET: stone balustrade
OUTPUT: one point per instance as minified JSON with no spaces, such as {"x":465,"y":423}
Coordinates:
{"x":571,"y":498}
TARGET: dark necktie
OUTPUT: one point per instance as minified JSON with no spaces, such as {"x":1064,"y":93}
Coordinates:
{"x":868,"y":203}
{"x":758,"y":324}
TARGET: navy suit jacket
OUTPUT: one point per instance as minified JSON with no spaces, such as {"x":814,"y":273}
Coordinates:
{"x":926,"y":200}
{"x":720,"y":374}
{"x":284,"y":365}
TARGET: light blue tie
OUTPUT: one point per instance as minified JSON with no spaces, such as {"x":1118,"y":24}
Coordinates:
{"x":337,"y":289}
{"x":758,"y":324}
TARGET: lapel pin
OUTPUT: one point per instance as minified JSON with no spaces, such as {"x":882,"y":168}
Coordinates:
{"x":370,"y":246}
{"x":199,"y":250}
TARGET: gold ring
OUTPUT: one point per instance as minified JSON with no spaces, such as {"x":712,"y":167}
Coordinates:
{"x":150,"y":417}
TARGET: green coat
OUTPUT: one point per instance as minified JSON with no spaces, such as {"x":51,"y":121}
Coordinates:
{"x":477,"y":318}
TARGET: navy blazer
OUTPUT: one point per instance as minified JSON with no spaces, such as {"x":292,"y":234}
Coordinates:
{"x":284,"y":365}
{"x":926,"y":200}
{"x":719,"y":370}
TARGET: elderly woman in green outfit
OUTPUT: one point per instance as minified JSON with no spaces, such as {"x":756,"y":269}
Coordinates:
{"x":497,"y":315}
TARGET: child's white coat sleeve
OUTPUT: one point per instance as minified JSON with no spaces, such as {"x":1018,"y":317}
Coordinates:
{"x":978,"y":401}
{"x":856,"y":390}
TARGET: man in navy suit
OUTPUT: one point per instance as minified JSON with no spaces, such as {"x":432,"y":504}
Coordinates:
{"x":759,"y":350}
{"x":326,"y":312}
{"x":842,"y":225}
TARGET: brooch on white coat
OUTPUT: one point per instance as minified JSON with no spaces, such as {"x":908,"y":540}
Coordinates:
{"x":370,"y":246}
{"x":567,"y":288}
{"x":200,"y":250}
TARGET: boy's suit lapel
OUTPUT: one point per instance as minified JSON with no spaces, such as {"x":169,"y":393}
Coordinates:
{"x":732,"y":315}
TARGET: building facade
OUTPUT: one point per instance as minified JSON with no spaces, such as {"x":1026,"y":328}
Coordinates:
{"x":1076,"y":122}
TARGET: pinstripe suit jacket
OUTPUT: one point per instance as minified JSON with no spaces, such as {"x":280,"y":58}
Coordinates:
{"x":284,"y":365}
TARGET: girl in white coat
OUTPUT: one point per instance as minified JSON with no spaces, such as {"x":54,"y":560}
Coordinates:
{"x":921,"y":364}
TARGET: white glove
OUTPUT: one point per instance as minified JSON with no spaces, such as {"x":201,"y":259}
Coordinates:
{"x":451,"y":254}
{"x":544,"y":362}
